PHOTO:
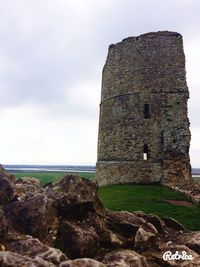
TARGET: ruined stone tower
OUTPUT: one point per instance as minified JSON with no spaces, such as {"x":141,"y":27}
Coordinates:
{"x":144,"y":128}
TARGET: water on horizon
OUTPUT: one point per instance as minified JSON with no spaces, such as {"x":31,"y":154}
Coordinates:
{"x":50,"y":168}
{"x":63,"y":168}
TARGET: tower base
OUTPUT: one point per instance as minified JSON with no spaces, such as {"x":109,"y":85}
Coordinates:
{"x":129,"y":172}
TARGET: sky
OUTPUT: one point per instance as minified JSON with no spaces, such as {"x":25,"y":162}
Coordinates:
{"x":51,"y":57}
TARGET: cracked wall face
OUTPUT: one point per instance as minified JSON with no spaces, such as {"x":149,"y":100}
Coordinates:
{"x":144,"y":131}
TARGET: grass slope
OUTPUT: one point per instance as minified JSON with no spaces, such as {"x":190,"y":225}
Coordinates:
{"x":150,"y":199}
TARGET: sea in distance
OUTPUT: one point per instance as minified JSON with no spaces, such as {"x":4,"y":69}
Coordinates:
{"x":63,"y":168}
{"x":50,"y":168}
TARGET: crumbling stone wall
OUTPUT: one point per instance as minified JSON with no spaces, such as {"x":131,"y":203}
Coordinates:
{"x":143,"y":127}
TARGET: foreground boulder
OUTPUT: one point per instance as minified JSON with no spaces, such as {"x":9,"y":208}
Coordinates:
{"x":7,"y":189}
{"x":74,"y":197}
{"x":82,"y":240}
{"x":27,"y":187}
{"x":125,"y":258}
{"x":9,"y":259}
{"x":33,"y":248}
{"x":35,"y":217}
{"x":65,"y":224}
{"x":82,"y":263}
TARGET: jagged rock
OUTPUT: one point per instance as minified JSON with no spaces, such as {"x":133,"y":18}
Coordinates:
{"x":10,"y":259}
{"x":2,"y":248}
{"x":124,"y":258}
{"x":27,"y":187}
{"x":35,"y":217}
{"x":82,"y":263}
{"x":9,"y":176}
{"x":191,"y":240}
{"x":190,"y":189}
{"x":69,"y":215}
{"x":74,"y":197}
{"x":107,"y":237}
{"x":77,"y":241}
{"x":143,"y":237}
{"x":98,"y":222}
{"x":154,"y":220}
{"x":163,"y":254}
{"x":173,"y":224}
{"x":28,"y":180}
{"x":7,"y":190}
{"x":133,"y":220}
{"x":34,"y":249}
{"x":122,"y":225}
{"x":3,"y":225}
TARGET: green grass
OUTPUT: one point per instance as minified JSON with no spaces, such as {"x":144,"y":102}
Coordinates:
{"x":147,"y":198}
{"x":46,"y":177}
{"x":150,"y":199}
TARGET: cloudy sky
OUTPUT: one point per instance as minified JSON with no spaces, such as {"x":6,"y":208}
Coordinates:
{"x":51,"y":56}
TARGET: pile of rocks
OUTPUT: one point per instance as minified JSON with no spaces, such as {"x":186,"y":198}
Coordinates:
{"x":190,"y":189}
{"x":65,"y":224}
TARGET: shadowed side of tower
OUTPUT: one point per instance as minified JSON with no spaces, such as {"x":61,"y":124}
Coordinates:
{"x":143,"y":127}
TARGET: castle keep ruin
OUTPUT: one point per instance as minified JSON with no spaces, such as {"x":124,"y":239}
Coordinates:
{"x":144,"y":128}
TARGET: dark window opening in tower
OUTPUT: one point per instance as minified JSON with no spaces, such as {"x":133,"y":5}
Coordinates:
{"x":146,"y":111}
{"x":162,"y":138}
{"x":145,"y":152}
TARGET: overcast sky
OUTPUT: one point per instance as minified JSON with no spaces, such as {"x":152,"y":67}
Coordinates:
{"x":51,"y":57}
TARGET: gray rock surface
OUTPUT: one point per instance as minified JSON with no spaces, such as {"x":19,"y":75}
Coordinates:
{"x":125,"y":258}
{"x":82,"y":263}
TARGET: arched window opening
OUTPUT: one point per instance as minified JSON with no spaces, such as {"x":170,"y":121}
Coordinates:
{"x":146,"y":111}
{"x":145,"y":152}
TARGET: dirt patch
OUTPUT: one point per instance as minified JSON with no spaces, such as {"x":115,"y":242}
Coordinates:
{"x":180,"y":203}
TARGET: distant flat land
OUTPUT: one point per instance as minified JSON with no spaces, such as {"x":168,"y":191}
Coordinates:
{"x":196,"y":174}
{"x":50,"y":176}
{"x":196,"y":177}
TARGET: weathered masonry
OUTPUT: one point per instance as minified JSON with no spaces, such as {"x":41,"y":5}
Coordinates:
{"x":144,"y":131}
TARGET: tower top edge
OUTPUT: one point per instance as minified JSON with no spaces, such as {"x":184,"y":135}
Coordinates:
{"x":149,"y":35}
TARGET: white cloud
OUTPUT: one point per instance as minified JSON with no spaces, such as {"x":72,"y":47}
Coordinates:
{"x":51,"y":56}
{"x":26,"y":138}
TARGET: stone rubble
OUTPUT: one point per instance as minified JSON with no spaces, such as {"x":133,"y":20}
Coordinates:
{"x":191,"y":190}
{"x":65,"y":224}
